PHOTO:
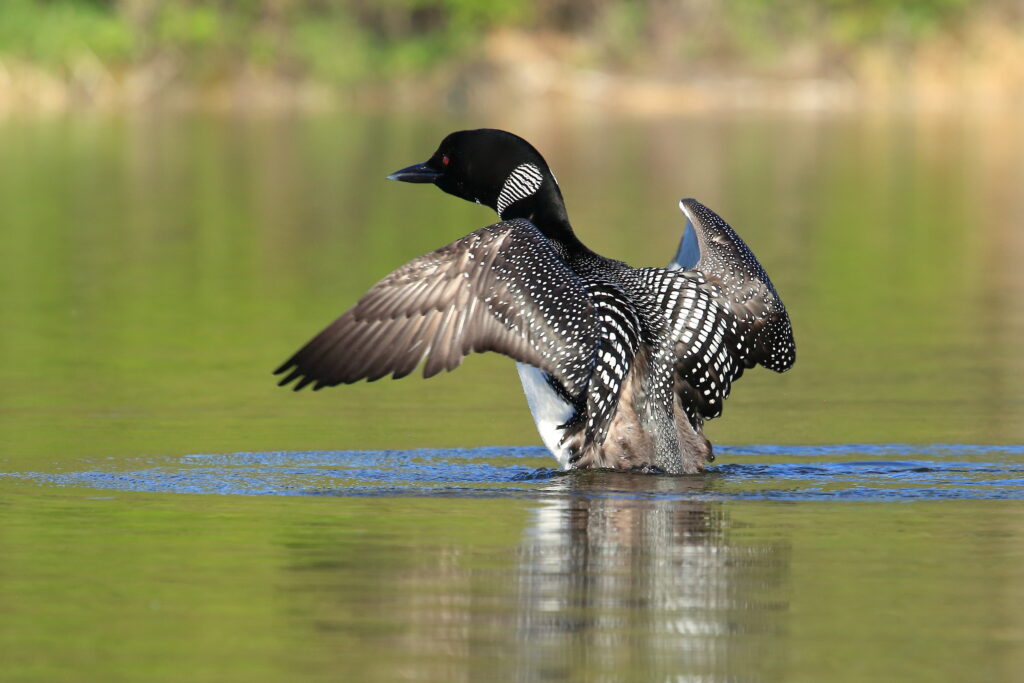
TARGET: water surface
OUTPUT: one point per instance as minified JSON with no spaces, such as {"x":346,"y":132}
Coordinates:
{"x":756,"y":472}
{"x":167,"y":513}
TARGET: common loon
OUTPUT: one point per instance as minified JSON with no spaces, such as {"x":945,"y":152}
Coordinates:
{"x":621,"y":366}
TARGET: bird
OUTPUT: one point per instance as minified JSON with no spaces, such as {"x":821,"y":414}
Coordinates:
{"x":620,"y":366}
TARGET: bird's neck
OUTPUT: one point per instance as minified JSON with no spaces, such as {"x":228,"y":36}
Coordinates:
{"x":556,"y":227}
{"x":546,"y":210}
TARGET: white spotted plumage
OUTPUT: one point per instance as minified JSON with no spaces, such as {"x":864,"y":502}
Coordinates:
{"x":608,"y":354}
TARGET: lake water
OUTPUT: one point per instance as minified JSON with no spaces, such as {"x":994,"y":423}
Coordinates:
{"x":168,"y":513}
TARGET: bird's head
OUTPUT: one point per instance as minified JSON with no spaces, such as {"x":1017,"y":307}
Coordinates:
{"x":494,"y":168}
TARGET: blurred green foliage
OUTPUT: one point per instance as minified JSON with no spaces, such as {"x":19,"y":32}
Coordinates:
{"x":350,"y":40}
{"x":52,"y":33}
{"x":337,"y":39}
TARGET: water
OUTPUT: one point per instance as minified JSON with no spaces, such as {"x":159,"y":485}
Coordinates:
{"x":800,"y":473}
{"x":167,"y":513}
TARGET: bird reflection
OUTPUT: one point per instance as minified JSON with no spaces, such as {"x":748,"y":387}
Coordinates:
{"x":626,"y":574}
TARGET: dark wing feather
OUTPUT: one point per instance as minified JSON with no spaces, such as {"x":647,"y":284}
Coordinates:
{"x":724,"y":315}
{"x":743,"y":288}
{"x":617,"y":346}
{"x":502,"y":288}
{"x":705,"y":334}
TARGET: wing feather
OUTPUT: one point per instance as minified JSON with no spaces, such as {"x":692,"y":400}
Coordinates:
{"x":743,"y":289}
{"x":502,"y":288}
{"x":724,"y":313}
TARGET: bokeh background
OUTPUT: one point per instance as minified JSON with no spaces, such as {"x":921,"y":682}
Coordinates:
{"x":638,"y":56}
{"x":190,"y":190}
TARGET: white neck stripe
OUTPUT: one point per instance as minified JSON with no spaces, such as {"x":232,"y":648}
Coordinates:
{"x":524,"y":181}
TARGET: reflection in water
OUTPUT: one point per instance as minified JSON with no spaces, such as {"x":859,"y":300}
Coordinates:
{"x":606,"y":577}
{"x":641,"y":584}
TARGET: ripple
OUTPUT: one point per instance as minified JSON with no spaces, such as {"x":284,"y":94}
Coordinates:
{"x":832,"y":472}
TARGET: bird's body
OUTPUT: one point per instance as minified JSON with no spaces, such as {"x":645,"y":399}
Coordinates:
{"x":620,"y":365}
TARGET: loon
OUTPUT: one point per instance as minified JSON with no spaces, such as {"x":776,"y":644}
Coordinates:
{"x":621,"y":366}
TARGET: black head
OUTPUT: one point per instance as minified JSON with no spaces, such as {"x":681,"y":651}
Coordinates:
{"x":493,"y":168}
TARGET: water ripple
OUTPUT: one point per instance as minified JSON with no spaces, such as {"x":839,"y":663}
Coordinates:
{"x":839,"y":471}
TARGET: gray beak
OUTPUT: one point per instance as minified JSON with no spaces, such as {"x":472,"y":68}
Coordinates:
{"x":417,"y":173}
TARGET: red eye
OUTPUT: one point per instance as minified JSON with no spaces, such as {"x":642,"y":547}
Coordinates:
{"x":445,"y":160}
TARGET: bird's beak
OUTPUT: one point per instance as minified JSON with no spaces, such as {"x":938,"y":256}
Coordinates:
{"x":417,"y":173}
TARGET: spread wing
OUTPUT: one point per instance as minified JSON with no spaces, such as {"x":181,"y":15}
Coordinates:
{"x":502,"y":288}
{"x":724,"y":312}
{"x":743,"y":288}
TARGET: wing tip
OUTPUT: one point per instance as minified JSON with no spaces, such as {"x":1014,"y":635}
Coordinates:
{"x":688,"y":205}
{"x":304,"y":381}
{"x":299,"y":374}
{"x":289,"y":378}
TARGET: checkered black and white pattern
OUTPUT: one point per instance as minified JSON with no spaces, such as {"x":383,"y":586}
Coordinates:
{"x":609,"y":354}
{"x":619,"y":334}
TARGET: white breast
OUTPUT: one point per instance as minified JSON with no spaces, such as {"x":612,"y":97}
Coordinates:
{"x":548,"y":410}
